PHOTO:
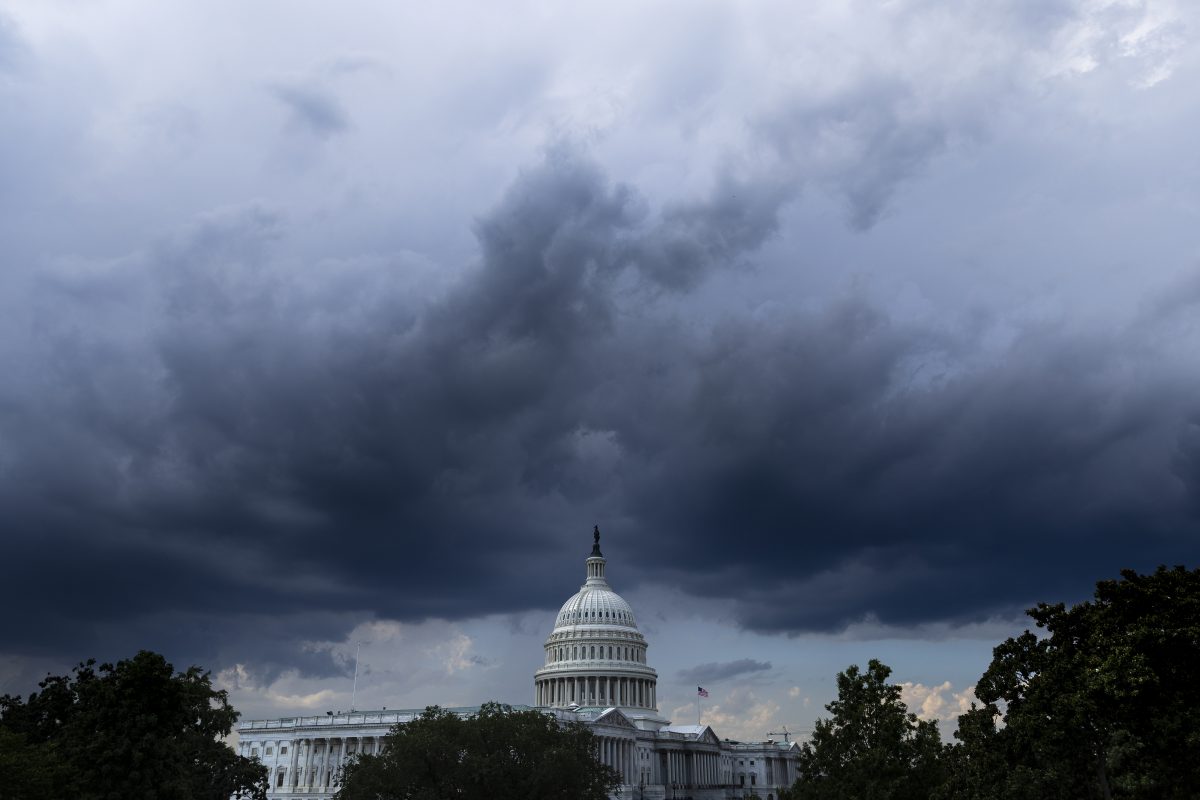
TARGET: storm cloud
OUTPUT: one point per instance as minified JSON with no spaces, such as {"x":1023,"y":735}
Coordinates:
{"x":723,"y":671}
{"x":223,"y":436}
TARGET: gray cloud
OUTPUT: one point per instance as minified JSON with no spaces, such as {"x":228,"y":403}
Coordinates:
{"x":278,"y":446}
{"x":312,"y":108}
{"x":12,"y":49}
{"x":265,"y":421}
{"x":723,"y":671}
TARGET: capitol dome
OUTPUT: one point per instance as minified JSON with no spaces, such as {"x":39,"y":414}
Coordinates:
{"x":596,"y":656}
{"x":596,"y":606}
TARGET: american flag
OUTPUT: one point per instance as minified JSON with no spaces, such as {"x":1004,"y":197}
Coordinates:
{"x":700,"y":690}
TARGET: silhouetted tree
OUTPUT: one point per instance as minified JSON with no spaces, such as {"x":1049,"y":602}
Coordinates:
{"x":1105,"y":705}
{"x":136,"y":729}
{"x":872,"y":748}
{"x":495,"y":754}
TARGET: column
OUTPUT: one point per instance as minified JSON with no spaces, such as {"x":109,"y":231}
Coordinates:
{"x":308,"y":762}
{"x":291,"y":776}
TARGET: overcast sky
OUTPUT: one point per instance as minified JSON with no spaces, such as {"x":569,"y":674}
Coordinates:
{"x":857,"y":327}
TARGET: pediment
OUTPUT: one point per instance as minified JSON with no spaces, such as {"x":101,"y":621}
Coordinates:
{"x":614,"y":718}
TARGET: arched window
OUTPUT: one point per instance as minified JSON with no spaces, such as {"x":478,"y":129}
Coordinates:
{"x":593,"y":651}
{"x":574,"y":652}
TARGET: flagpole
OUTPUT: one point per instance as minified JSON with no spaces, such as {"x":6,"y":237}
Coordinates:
{"x":354,"y":691}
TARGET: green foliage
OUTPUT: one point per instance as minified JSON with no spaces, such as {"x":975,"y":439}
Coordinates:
{"x":495,"y":754}
{"x":30,"y":771}
{"x":871,"y":748}
{"x":1105,"y":705}
{"x":136,"y":729}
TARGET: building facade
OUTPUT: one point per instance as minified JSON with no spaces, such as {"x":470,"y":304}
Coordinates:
{"x":595,"y":671}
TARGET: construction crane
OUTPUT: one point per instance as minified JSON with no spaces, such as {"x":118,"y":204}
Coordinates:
{"x":784,"y":733}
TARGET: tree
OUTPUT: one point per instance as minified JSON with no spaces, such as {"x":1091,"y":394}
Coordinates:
{"x":872,"y":748}
{"x":136,"y":729}
{"x":1105,"y":705}
{"x":495,"y":754}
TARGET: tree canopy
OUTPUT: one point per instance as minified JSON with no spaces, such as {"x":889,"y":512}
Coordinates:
{"x":1106,"y":704}
{"x":134,"y":729}
{"x":494,"y":754}
{"x":872,"y":748}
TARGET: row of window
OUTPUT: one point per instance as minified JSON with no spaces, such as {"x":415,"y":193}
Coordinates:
{"x":595,"y":614}
{"x":270,"y":751}
{"x":622,"y":653}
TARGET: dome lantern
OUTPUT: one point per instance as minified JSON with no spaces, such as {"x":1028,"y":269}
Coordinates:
{"x":595,"y":562}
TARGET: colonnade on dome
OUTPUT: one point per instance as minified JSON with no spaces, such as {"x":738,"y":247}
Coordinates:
{"x":596,"y":690}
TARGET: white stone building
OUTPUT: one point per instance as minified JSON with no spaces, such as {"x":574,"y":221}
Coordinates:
{"x":596,"y":671}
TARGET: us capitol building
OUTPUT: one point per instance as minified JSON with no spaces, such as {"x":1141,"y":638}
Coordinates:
{"x":595,"y":672}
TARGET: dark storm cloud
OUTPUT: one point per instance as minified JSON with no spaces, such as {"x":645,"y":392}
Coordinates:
{"x":312,"y":108}
{"x":211,"y":436}
{"x":723,"y":671}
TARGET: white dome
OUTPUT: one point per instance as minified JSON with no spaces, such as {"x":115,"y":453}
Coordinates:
{"x":595,"y":605}
{"x":596,"y":656}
